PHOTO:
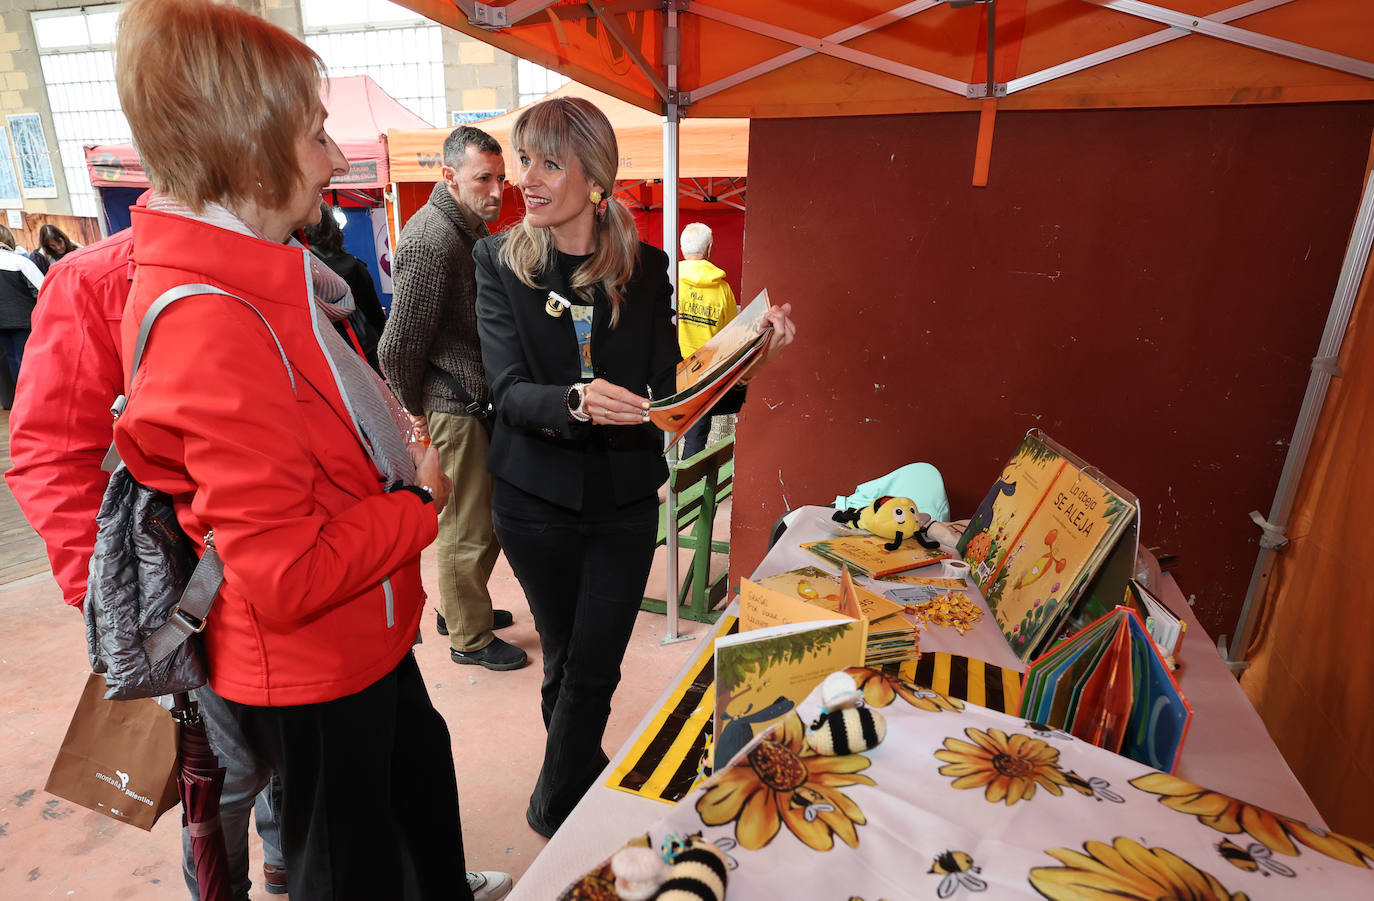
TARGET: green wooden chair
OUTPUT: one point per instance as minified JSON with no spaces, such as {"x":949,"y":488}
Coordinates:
{"x":702,"y":483}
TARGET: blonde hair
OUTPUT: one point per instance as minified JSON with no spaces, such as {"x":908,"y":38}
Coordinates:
{"x":216,"y":99}
{"x":564,"y":127}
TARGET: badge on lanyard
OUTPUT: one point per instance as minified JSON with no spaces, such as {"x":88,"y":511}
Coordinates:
{"x":556,"y":304}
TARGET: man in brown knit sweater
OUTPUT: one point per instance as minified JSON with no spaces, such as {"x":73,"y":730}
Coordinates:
{"x":430,"y":354}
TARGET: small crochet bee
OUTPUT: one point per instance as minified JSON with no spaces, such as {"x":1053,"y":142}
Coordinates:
{"x":846,"y":731}
{"x":698,"y":870}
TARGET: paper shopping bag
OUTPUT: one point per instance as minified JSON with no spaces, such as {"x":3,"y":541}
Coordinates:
{"x":118,"y":758}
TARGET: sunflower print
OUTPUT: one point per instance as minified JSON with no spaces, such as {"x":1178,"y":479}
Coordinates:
{"x":1126,"y":869}
{"x":1227,"y":815}
{"x":781,"y":781}
{"x":1010,"y":766}
{"x":881,"y":689}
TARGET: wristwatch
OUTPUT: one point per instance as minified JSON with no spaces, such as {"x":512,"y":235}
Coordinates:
{"x":577,"y":396}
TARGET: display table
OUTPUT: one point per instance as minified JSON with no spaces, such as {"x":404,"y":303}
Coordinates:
{"x":1228,"y":748}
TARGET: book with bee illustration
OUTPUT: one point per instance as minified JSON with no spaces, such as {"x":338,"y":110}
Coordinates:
{"x":1051,"y":546}
{"x":713,"y":369}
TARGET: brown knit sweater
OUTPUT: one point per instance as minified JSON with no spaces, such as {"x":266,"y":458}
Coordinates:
{"x":433,"y":308}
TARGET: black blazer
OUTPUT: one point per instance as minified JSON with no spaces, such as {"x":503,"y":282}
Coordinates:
{"x":531,"y":359}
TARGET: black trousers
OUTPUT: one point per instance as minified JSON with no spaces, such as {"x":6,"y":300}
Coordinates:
{"x":583,"y":573}
{"x":369,"y":797}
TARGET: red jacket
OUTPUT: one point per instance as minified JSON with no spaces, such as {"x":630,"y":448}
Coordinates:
{"x":60,"y":427}
{"x":322,"y":593}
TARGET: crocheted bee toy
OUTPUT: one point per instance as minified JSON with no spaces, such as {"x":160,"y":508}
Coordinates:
{"x":698,"y":870}
{"x":845,"y":725}
{"x":893,"y":518}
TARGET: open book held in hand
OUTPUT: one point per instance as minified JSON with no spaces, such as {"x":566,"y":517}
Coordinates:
{"x":713,"y":369}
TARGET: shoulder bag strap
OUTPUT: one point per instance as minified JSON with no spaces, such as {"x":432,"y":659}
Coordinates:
{"x":472,"y":407}
{"x":188,"y":617}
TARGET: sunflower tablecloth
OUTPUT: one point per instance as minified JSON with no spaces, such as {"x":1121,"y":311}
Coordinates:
{"x":964,"y":802}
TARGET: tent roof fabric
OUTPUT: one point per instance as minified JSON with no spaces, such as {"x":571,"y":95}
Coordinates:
{"x":782,"y":58}
{"x":360,"y":113}
{"x":707,"y":148}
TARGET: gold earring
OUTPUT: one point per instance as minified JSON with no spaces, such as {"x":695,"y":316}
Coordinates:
{"x":596,"y":197}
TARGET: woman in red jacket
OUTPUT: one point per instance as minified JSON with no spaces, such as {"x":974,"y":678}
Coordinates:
{"x":318,"y":507}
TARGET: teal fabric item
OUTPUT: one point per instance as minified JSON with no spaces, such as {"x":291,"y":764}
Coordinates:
{"x":919,"y":481}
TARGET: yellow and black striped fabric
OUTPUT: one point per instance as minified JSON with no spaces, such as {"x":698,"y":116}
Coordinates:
{"x":966,"y":678}
{"x":665,"y":760}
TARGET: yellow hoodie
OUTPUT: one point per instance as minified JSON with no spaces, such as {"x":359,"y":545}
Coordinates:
{"x":705,"y":303}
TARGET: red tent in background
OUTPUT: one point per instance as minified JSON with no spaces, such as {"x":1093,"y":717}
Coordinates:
{"x":360,"y":113}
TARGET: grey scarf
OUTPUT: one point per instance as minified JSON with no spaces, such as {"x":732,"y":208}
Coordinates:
{"x":381,"y":421}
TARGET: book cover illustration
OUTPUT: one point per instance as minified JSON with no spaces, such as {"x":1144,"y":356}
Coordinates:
{"x":762,"y":675}
{"x":1039,"y":538}
{"x":864,"y":555}
{"x":713,"y":369}
{"x":811,"y":594}
{"x":1109,"y":685}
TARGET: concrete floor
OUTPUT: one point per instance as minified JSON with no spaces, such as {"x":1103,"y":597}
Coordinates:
{"x":50,"y":848}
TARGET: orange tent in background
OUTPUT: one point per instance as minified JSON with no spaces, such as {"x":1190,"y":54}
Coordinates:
{"x":787,"y":58}
{"x":714,"y":152}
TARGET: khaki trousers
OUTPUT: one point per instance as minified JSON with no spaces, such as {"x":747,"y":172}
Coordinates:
{"x":467,"y":546}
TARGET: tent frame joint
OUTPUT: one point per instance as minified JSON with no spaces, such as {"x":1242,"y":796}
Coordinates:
{"x":487,"y":16}
{"x":980,"y":91}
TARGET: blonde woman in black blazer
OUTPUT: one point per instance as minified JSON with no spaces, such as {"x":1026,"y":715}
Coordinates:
{"x":576,"y":324}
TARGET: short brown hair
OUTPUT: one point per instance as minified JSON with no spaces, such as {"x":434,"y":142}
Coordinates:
{"x":216,"y":99}
{"x":6,"y":236}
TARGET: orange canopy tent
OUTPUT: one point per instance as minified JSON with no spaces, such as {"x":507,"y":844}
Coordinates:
{"x":786,"y":58}
{"x":714,"y":152}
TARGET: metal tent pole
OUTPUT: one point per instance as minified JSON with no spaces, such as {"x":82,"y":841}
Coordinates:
{"x":1324,"y":366}
{"x":671,"y":113}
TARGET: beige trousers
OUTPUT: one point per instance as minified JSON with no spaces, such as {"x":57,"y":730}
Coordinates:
{"x":467,"y":546}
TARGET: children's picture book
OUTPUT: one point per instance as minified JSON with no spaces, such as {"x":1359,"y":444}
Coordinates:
{"x":1051,"y":546}
{"x":864,"y":555}
{"x":812,"y":594}
{"x":1164,"y":626}
{"x":1109,"y":685}
{"x":713,"y":369}
{"x":761,"y":675}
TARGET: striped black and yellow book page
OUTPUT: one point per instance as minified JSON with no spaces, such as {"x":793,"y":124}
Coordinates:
{"x":966,"y":678}
{"x":665,"y":759}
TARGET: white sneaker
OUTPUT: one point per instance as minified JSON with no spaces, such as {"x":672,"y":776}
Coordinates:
{"x":489,"y":885}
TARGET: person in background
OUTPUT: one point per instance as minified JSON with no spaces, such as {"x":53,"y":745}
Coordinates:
{"x":53,"y":245}
{"x":576,"y":321}
{"x":318,"y":508}
{"x":705,"y":305}
{"x":325,"y":240}
{"x":431,"y":357}
{"x":60,"y":430}
{"x":19,"y":284}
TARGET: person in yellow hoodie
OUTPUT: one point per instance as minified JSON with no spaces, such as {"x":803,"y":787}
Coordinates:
{"x":705,"y":304}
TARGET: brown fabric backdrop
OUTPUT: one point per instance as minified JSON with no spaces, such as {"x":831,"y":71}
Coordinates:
{"x":1312,"y":676}
{"x":81,"y":229}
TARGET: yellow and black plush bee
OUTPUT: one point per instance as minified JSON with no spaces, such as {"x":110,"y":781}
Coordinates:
{"x":893,"y":518}
{"x":1254,"y":858}
{"x":958,"y":869}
